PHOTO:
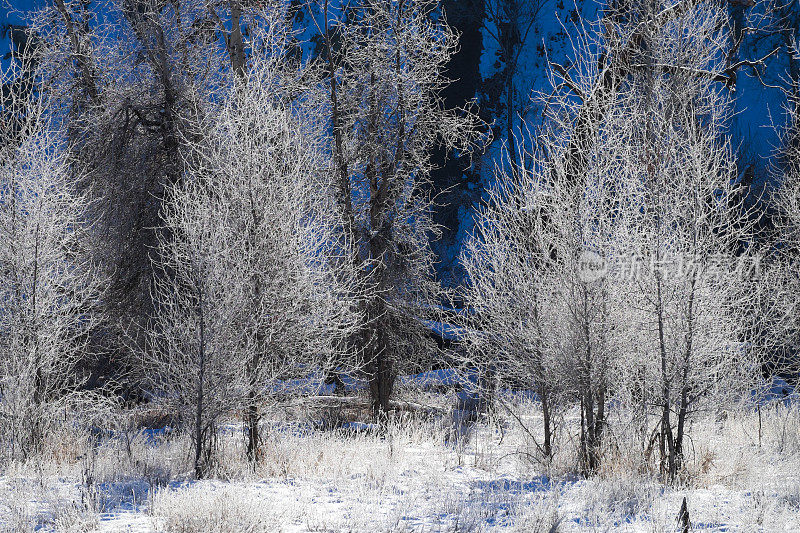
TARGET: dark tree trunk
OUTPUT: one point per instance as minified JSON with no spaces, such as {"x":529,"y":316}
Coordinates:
{"x":381,"y":385}
{"x":547,"y":414}
{"x":235,"y":41}
{"x":510,"y":112}
{"x":253,"y":438}
{"x":684,"y":394}
{"x":592,"y":397}
{"x":199,"y":470}
{"x":592,"y":423}
{"x":380,"y":367}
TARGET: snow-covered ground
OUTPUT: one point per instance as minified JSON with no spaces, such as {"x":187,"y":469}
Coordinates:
{"x":415,"y":476}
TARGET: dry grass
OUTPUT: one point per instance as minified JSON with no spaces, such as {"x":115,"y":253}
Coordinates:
{"x":415,"y":475}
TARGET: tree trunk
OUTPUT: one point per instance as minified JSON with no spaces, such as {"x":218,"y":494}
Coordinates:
{"x":597,"y":430}
{"x":198,"y":428}
{"x":383,"y":384}
{"x":512,"y":147}
{"x":684,"y":394}
{"x":667,"y":444}
{"x":38,"y":379}
{"x":252,"y":418}
{"x":379,"y":368}
{"x":548,"y":428}
{"x":253,"y":438}
{"x":592,"y":421}
{"x":683,"y":518}
{"x":343,"y":171}
{"x":235,"y":40}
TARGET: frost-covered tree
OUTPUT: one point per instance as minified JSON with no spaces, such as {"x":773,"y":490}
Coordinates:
{"x":131,"y":75}
{"x":787,"y":201}
{"x":540,"y":317}
{"x":49,"y":287}
{"x":256,"y":289}
{"x":635,"y":210}
{"x":687,"y":229}
{"x":189,"y":340}
{"x":267,"y":165}
{"x":789,"y":192}
{"x":385,"y":61}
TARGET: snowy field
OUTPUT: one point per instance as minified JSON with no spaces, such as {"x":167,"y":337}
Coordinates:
{"x":417,"y":475}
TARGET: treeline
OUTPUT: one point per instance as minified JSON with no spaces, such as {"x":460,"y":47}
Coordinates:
{"x":199,"y":206}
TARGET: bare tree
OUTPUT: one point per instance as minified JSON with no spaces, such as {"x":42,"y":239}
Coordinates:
{"x":384,"y":65}
{"x":787,"y":201}
{"x":49,"y":287}
{"x":187,"y":351}
{"x":541,"y":316}
{"x":257,"y":292}
{"x":130,"y":74}
{"x":266,"y":166}
{"x":631,"y":230}
{"x":686,"y":227}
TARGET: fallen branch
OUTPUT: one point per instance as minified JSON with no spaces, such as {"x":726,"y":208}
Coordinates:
{"x":356,"y":402}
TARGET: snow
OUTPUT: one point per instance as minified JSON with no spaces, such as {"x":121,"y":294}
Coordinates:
{"x":413,"y":477}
